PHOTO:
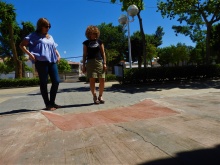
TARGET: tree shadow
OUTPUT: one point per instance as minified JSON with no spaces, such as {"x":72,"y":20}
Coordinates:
{"x":159,"y":86}
{"x":78,"y":89}
{"x":197,"y":157}
{"x":140,"y":88}
{"x":114,"y":88}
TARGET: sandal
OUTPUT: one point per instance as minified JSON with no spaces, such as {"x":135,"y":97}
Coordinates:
{"x":101,"y":101}
{"x":50,"y":108}
{"x":96,"y":101}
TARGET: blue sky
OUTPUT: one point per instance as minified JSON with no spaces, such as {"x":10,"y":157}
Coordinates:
{"x":69,"y":19}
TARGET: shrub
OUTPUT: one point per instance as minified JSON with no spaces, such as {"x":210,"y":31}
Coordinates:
{"x":24,"y":82}
{"x":161,"y":74}
{"x":108,"y":77}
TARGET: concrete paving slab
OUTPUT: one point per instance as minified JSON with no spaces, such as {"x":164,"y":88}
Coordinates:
{"x":187,"y":133}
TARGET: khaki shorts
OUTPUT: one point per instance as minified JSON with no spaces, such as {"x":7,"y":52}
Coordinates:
{"x":94,"y":69}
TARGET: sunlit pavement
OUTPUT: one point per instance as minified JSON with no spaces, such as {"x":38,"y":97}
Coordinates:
{"x":175,"y":123}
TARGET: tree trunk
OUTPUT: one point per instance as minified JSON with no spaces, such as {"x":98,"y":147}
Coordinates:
{"x":17,"y":62}
{"x":143,"y":41}
{"x":23,"y":69}
{"x":139,"y":61}
{"x":208,"y":49}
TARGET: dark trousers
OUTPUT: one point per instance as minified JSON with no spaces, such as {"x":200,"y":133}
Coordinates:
{"x":44,"y":68}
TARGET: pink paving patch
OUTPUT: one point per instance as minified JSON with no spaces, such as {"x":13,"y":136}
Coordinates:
{"x":144,"y":110}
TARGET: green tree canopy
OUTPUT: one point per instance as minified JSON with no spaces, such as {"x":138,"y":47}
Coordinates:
{"x":63,"y":66}
{"x":153,"y":41}
{"x":136,"y":48}
{"x":195,"y":14}
{"x":11,"y":35}
{"x":6,"y":66}
{"x":140,"y":5}
{"x":115,"y":42}
{"x":215,"y":43}
{"x":156,"y":38}
{"x":174,"y":55}
{"x":7,"y":27}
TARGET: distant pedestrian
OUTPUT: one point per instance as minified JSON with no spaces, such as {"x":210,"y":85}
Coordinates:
{"x":94,"y":62}
{"x":42,"y":51}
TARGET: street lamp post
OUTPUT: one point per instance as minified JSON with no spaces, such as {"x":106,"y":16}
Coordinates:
{"x":124,"y":20}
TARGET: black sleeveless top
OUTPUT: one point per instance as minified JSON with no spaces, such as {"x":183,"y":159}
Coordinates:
{"x":93,"y":49}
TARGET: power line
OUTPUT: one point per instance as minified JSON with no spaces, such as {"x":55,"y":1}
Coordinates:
{"x":71,"y":57}
{"x":104,"y":2}
{"x":115,"y":3}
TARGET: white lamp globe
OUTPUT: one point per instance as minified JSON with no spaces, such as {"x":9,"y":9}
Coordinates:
{"x":123,"y":19}
{"x":133,"y":10}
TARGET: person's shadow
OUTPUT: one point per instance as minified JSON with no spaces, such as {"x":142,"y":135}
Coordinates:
{"x":76,"y":105}
{"x":17,"y":111}
{"x":197,"y":157}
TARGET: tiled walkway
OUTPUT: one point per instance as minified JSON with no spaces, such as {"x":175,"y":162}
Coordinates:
{"x":163,"y":124}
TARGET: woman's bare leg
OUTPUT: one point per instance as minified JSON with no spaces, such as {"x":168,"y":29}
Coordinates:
{"x":93,"y":90}
{"x":92,"y":86}
{"x":101,"y":86}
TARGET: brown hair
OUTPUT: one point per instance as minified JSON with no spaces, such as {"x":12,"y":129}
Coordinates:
{"x":41,"y":23}
{"x":92,"y":30}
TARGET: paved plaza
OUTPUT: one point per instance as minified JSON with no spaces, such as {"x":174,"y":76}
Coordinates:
{"x":151,"y":124}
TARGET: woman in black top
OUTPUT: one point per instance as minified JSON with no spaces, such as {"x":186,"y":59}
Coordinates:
{"x":94,"y":62}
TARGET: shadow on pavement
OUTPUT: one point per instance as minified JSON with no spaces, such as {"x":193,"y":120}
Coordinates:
{"x":194,"y":85}
{"x":76,"y":105}
{"x":197,"y":157}
{"x":140,"y":88}
{"x":34,"y":94}
{"x":17,"y":111}
{"x":26,"y":110}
